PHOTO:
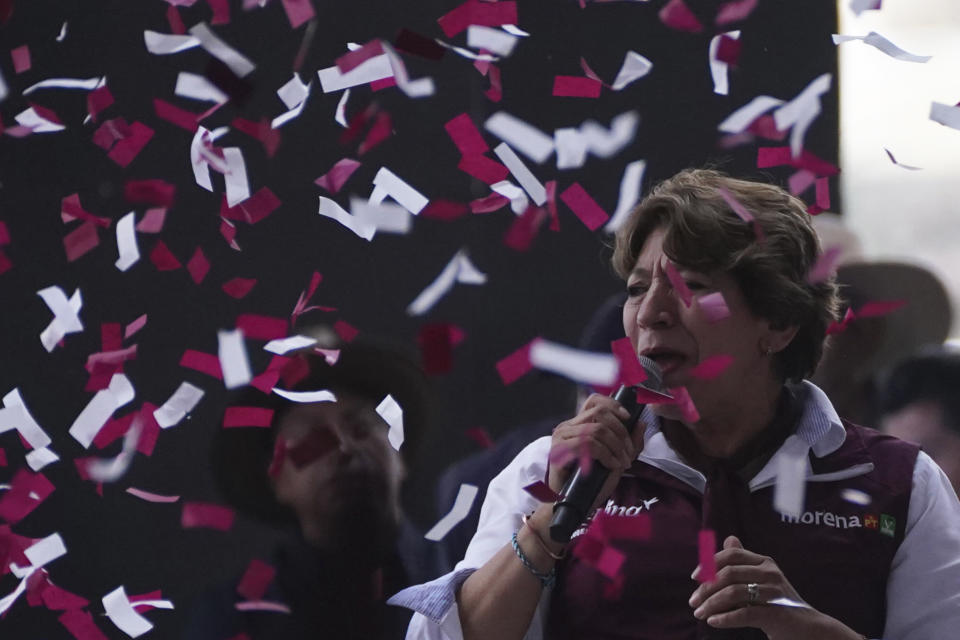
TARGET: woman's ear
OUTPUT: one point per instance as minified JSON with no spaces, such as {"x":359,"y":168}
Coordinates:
{"x":779,"y":339}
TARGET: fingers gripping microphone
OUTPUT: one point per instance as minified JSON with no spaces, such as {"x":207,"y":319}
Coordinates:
{"x":581,"y":489}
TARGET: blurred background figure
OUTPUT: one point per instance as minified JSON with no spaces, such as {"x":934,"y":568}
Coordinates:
{"x":867,"y":345}
{"x":604,"y":326}
{"x":329,"y":474}
{"x":918,"y":401}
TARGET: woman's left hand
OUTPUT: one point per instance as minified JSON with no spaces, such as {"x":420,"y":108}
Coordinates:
{"x":746,"y":582}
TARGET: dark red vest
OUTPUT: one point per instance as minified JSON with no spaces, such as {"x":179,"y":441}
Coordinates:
{"x":837,"y":555}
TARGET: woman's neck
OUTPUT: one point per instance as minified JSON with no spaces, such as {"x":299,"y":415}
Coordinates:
{"x":726,"y":429}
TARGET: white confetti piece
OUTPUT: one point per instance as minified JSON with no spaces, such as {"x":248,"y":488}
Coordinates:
{"x":123,"y":615}
{"x":87,"y":84}
{"x":330,"y":209}
{"x":411,"y":199}
{"x":571,"y":148}
{"x":634,"y":67}
{"x":386,"y":217}
{"x":285,"y":345}
{"x":37,"y":123}
{"x":151,"y":497}
{"x":859,"y":6}
{"x":178,"y":405}
{"x":45,"y":551}
{"x":876,"y":40}
{"x":216,"y":47}
{"x":340,"y":115}
{"x":66,"y":315}
{"x":522,"y":173}
{"x":792,"y":464}
{"x":493,"y":40}
{"x":459,"y":269}
{"x":15,"y":415}
{"x":419,"y":88}
{"x":605,"y":143}
{"x":855,"y":496}
{"x":629,"y":194}
{"x":719,"y":68}
{"x":233,"y":358}
{"x":461,"y":508}
{"x":7,"y":601}
{"x":127,"y":242}
{"x":235,"y":178}
{"x":92,"y":418}
{"x":321,"y":395}
{"x":112,"y":469}
{"x":800,"y":112}
{"x":294,"y":92}
{"x":162,"y":44}
{"x":740,"y":119}
{"x":515,"y":30}
{"x":583,"y":366}
{"x":39,"y":458}
{"x":392,"y":414}
{"x":516,"y":195}
{"x":523,"y":137}
{"x":945,"y":114}
{"x":370,"y":70}
{"x":196,"y":87}
{"x":63,"y":33}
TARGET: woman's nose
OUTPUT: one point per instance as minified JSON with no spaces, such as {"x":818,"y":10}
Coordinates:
{"x":657,"y":309}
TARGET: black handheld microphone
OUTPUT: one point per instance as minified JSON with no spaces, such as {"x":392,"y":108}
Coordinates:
{"x":581,"y":489}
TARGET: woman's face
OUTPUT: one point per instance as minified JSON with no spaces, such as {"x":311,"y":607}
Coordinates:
{"x":679,"y":337}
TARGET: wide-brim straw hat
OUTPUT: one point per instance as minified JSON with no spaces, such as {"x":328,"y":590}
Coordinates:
{"x":369,"y":368}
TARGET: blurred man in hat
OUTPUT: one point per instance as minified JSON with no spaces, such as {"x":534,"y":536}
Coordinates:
{"x":328,"y":467}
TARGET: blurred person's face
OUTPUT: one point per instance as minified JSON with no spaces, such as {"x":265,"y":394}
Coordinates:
{"x":678,"y":337}
{"x":922,"y":423}
{"x":336,"y":468}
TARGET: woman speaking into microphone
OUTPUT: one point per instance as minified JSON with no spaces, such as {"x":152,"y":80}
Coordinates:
{"x":726,"y":305}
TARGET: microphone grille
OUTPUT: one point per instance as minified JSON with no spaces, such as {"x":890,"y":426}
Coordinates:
{"x":654,"y":379}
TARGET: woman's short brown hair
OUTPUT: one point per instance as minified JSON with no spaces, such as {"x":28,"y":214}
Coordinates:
{"x":769,"y":259}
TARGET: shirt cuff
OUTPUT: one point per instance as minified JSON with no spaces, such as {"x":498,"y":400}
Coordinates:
{"x":432,"y":599}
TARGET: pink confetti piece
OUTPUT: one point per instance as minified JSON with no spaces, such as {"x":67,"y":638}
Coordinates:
{"x":345,"y":330}
{"x":483,"y":168}
{"x":495,"y":92}
{"x":229,"y":232}
{"x":239,"y":287}
{"x":80,"y":241}
{"x":624,"y":527}
{"x":206,"y":515}
{"x":707,"y":542}
{"x":479,"y":13}
{"x":516,"y":365}
{"x":5,"y":263}
{"x":353,"y":59}
{"x":551,"y":188}
{"x":766,"y":127}
{"x":198,"y":266}
{"x":175,"y":115}
{"x":444,"y":210}
{"x":841,"y":326}
{"x":480,"y":436}
{"x":542,"y":491}
{"x":114,"y":428}
{"x":822,"y":198}
{"x":576,"y":87}
{"x":825,"y":266}
{"x":152,"y":497}
{"x":334,"y":179}
{"x":157,"y":192}
{"x":109,"y":361}
{"x":413,"y":43}
{"x":162,"y":258}
{"x":381,"y":130}
{"x":676,"y":15}
{"x":135,"y":326}
{"x":489,"y":204}
{"x":124,"y":152}
{"x":631,"y":371}
{"x":149,"y":429}
{"x":27,"y":491}
{"x":584,"y":207}
{"x":314,"y":446}
{"x":70,"y":210}
{"x":56,"y":599}
{"x":207,"y":363}
{"x":4,"y":234}
{"x":247,"y":417}
{"x":81,"y":626}
{"x":525,"y":228}
{"x":298,"y":12}
{"x":712,"y":367}
{"x":383,"y":83}
{"x":258,"y":327}
{"x":254,"y":209}
{"x":258,"y":576}
{"x":436,"y":348}
{"x":728,"y":49}
{"x":152,"y":221}
{"x":3,"y":457}
{"x":779,"y":156}
{"x":879,"y":308}
{"x":111,"y":336}
{"x":21,"y":58}
{"x":735,"y":11}
{"x":714,"y":307}
{"x":466,"y":135}
{"x":262,"y":605}
{"x":610,"y":562}
{"x":221,"y":11}
{"x":678,"y":284}
{"x":800,"y":181}
{"x":681,"y":398}
{"x":98,"y":100}
{"x":175,"y":21}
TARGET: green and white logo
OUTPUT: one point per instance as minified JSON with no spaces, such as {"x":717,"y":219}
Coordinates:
{"x":888,"y":525}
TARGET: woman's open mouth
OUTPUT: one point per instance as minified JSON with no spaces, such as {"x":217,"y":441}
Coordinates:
{"x":667,"y":359}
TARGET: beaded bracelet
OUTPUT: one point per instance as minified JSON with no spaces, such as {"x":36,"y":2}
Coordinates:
{"x":546,"y":579}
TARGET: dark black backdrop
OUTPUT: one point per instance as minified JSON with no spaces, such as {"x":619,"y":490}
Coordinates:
{"x":548,"y":291}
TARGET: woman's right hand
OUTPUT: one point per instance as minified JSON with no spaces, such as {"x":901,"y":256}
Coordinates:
{"x":599,"y":428}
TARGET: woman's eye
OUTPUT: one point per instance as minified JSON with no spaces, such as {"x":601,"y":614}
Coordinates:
{"x":636,"y":290}
{"x":695,"y":285}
